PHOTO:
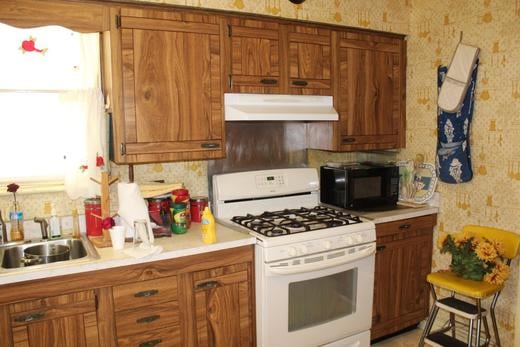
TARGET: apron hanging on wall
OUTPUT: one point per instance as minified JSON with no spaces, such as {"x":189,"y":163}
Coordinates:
{"x":453,"y":143}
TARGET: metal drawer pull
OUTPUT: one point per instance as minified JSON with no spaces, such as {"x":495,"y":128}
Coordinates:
{"x":380,"y":248}
{"x":146,"y":293}
{"x":29,"y":317}
{"x":348,"y":140}
{"x":268,"y":81}
{"x":210,"y":145}
{"x":150,"y":343}
{"x":299,"y":83}
{"x":404,"y":226}
{"x":207,"y":285}
{"x":148,"y":319}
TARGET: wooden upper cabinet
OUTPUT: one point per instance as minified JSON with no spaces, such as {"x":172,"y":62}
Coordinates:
{"x":172,"y":75}
{"x":309,"y":60}
{"x":371,"y":96}
{"x":255,"y":56}
{"x":268,"y":57}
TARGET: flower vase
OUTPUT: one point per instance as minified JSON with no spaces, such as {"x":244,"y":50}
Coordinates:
{"x":17,"y":232}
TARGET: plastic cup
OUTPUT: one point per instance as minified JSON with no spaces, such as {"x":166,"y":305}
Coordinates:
{"x":117,"y":234}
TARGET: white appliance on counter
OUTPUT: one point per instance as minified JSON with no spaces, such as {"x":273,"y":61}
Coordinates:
{"x":314,"y":265}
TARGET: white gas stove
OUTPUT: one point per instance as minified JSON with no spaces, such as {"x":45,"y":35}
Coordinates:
{"x":314,"y":265}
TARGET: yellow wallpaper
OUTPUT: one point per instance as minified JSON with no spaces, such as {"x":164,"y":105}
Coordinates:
{"x":493,"y":197}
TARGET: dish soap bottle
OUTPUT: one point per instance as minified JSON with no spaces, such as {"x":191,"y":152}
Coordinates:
{"x":208,"y":227}
{"x":54,"y":224}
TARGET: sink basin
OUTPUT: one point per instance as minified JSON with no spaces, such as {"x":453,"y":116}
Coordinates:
{"x":12,"y":255}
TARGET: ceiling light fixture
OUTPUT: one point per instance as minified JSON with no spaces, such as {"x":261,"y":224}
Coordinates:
{"x":297,"y":2}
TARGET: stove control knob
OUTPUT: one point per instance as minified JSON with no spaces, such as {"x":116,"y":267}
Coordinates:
{"x":348,"y":240}
{"x":358,"y":238}
{"x":291,"y":252}
{"x":303,"y":249}
{"x":326,"y":244}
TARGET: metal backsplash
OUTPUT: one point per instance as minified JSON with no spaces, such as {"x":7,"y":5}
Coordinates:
{"x":261,"y":146}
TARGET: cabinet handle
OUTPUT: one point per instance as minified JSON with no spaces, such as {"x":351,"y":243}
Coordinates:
{"x":148,"y":319}
{"x":210,"y":145}
{"x":348,"y":140}
{"x":268,"y":81}
{"x":299,"y":83}
{"x":380,"y":248}
{"x":207,"y":285}
{"x":146,"y":293}
{"x":404,"y":226}
{"x":150,"y":343}
{"x":29,"y":317}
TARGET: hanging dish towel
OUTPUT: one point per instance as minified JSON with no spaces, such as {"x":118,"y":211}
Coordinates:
{"x":453,"y":147}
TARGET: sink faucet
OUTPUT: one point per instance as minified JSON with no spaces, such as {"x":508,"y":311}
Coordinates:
{"x":43,"y":226}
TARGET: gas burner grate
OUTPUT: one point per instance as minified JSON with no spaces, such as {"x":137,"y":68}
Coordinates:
{"x":292,"y":221}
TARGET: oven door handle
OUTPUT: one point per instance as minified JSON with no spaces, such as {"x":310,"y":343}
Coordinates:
{"x":347,"y":258}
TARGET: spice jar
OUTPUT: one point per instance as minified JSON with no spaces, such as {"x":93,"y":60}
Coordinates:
{"x":197,"y":205}
{"x":92,"y":217}
{"x":183,"y":195}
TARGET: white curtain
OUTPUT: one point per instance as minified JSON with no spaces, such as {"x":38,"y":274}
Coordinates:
{"x":38,"y":67}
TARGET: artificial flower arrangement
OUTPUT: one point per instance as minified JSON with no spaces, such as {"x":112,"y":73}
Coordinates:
{"x":474,"y":257}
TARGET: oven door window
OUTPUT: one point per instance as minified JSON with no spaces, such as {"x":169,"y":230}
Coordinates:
{"x":320,"y":300}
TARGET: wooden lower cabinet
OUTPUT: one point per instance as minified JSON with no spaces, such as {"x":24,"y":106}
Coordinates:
{"x":403,"y":260}
{"x":200,"y":300}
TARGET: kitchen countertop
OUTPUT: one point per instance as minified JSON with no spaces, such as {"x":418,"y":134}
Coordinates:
{"x":400,"y":212}
{"x":173,"y":247}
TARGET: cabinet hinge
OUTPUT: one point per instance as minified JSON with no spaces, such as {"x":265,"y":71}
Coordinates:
{"x":118,"y":21}
{"x":122,"y":148}
{"x":229,"y":29}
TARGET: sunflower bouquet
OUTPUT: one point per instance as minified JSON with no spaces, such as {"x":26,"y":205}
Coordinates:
{"x":474,"y":257}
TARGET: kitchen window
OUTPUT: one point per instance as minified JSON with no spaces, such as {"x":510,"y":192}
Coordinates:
{"x":51,"y":109}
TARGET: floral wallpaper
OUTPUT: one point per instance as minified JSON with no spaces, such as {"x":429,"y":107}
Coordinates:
{"x":433,"y":29}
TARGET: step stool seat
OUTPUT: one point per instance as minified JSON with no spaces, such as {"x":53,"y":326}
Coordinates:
{"x":459,"y":307}
{"x":473,"y":289}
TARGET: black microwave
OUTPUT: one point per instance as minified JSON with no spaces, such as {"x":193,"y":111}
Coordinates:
{"x":359,"y":186}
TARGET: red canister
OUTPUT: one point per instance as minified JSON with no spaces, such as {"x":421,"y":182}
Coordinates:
{"x":183,"y":195}
{"x":93,"y":217}
{"x":197,"y":205}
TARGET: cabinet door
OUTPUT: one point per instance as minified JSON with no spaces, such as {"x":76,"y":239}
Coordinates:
{"x":310,"y":60}
{"x":66,"y":320}
{"x":255,"y":56}
{"x":371,"y":91}
{"x":172,"y":92}
{"x":223,"y":306}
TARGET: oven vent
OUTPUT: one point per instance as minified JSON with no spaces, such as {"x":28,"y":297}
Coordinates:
{"x":336,"y":255}
{"x":313,"y":260}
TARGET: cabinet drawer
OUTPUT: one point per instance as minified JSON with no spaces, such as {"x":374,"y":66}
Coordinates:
{"x":406,"y":227}
{"x":156,"y":338}
{"x":147,"y":318}
{"x":145,"y":293}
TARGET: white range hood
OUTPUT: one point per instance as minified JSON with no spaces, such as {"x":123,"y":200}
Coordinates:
{"x":273,"y":107}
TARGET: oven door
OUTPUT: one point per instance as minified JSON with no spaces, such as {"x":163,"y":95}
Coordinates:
{"x":324,"y":298}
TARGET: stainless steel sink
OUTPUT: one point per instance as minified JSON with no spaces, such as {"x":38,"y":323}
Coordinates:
{"x":12,"y":254}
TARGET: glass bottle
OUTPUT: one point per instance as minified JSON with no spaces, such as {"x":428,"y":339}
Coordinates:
{"x":16,"y":218}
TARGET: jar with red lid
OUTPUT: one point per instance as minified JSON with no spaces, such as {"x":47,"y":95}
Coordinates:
{"x":182,"y":195}
{"x":197,"y":205}
{"x":93,"y":217}
{"x":159,"y":212}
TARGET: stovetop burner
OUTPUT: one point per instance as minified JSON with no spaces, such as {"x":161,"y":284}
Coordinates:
{"x":292,"y":221}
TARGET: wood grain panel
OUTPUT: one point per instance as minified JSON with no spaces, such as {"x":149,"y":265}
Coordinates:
{"x":77,"y":16}
{"x":168,"y":25}
{"x":5,"y":327}
{"x":137,"y":320}
{"x":54,"y":313}
{"x":407,"y":226}
{"x":52,"y":301}
{"x":105,"y":317}
{"x":128,"y":86}
{"x":66,"y":331}
{"x":170,"y":336}
{"x":145,"y":293}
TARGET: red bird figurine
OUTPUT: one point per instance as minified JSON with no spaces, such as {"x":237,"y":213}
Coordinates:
{"x":29,"y":46}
